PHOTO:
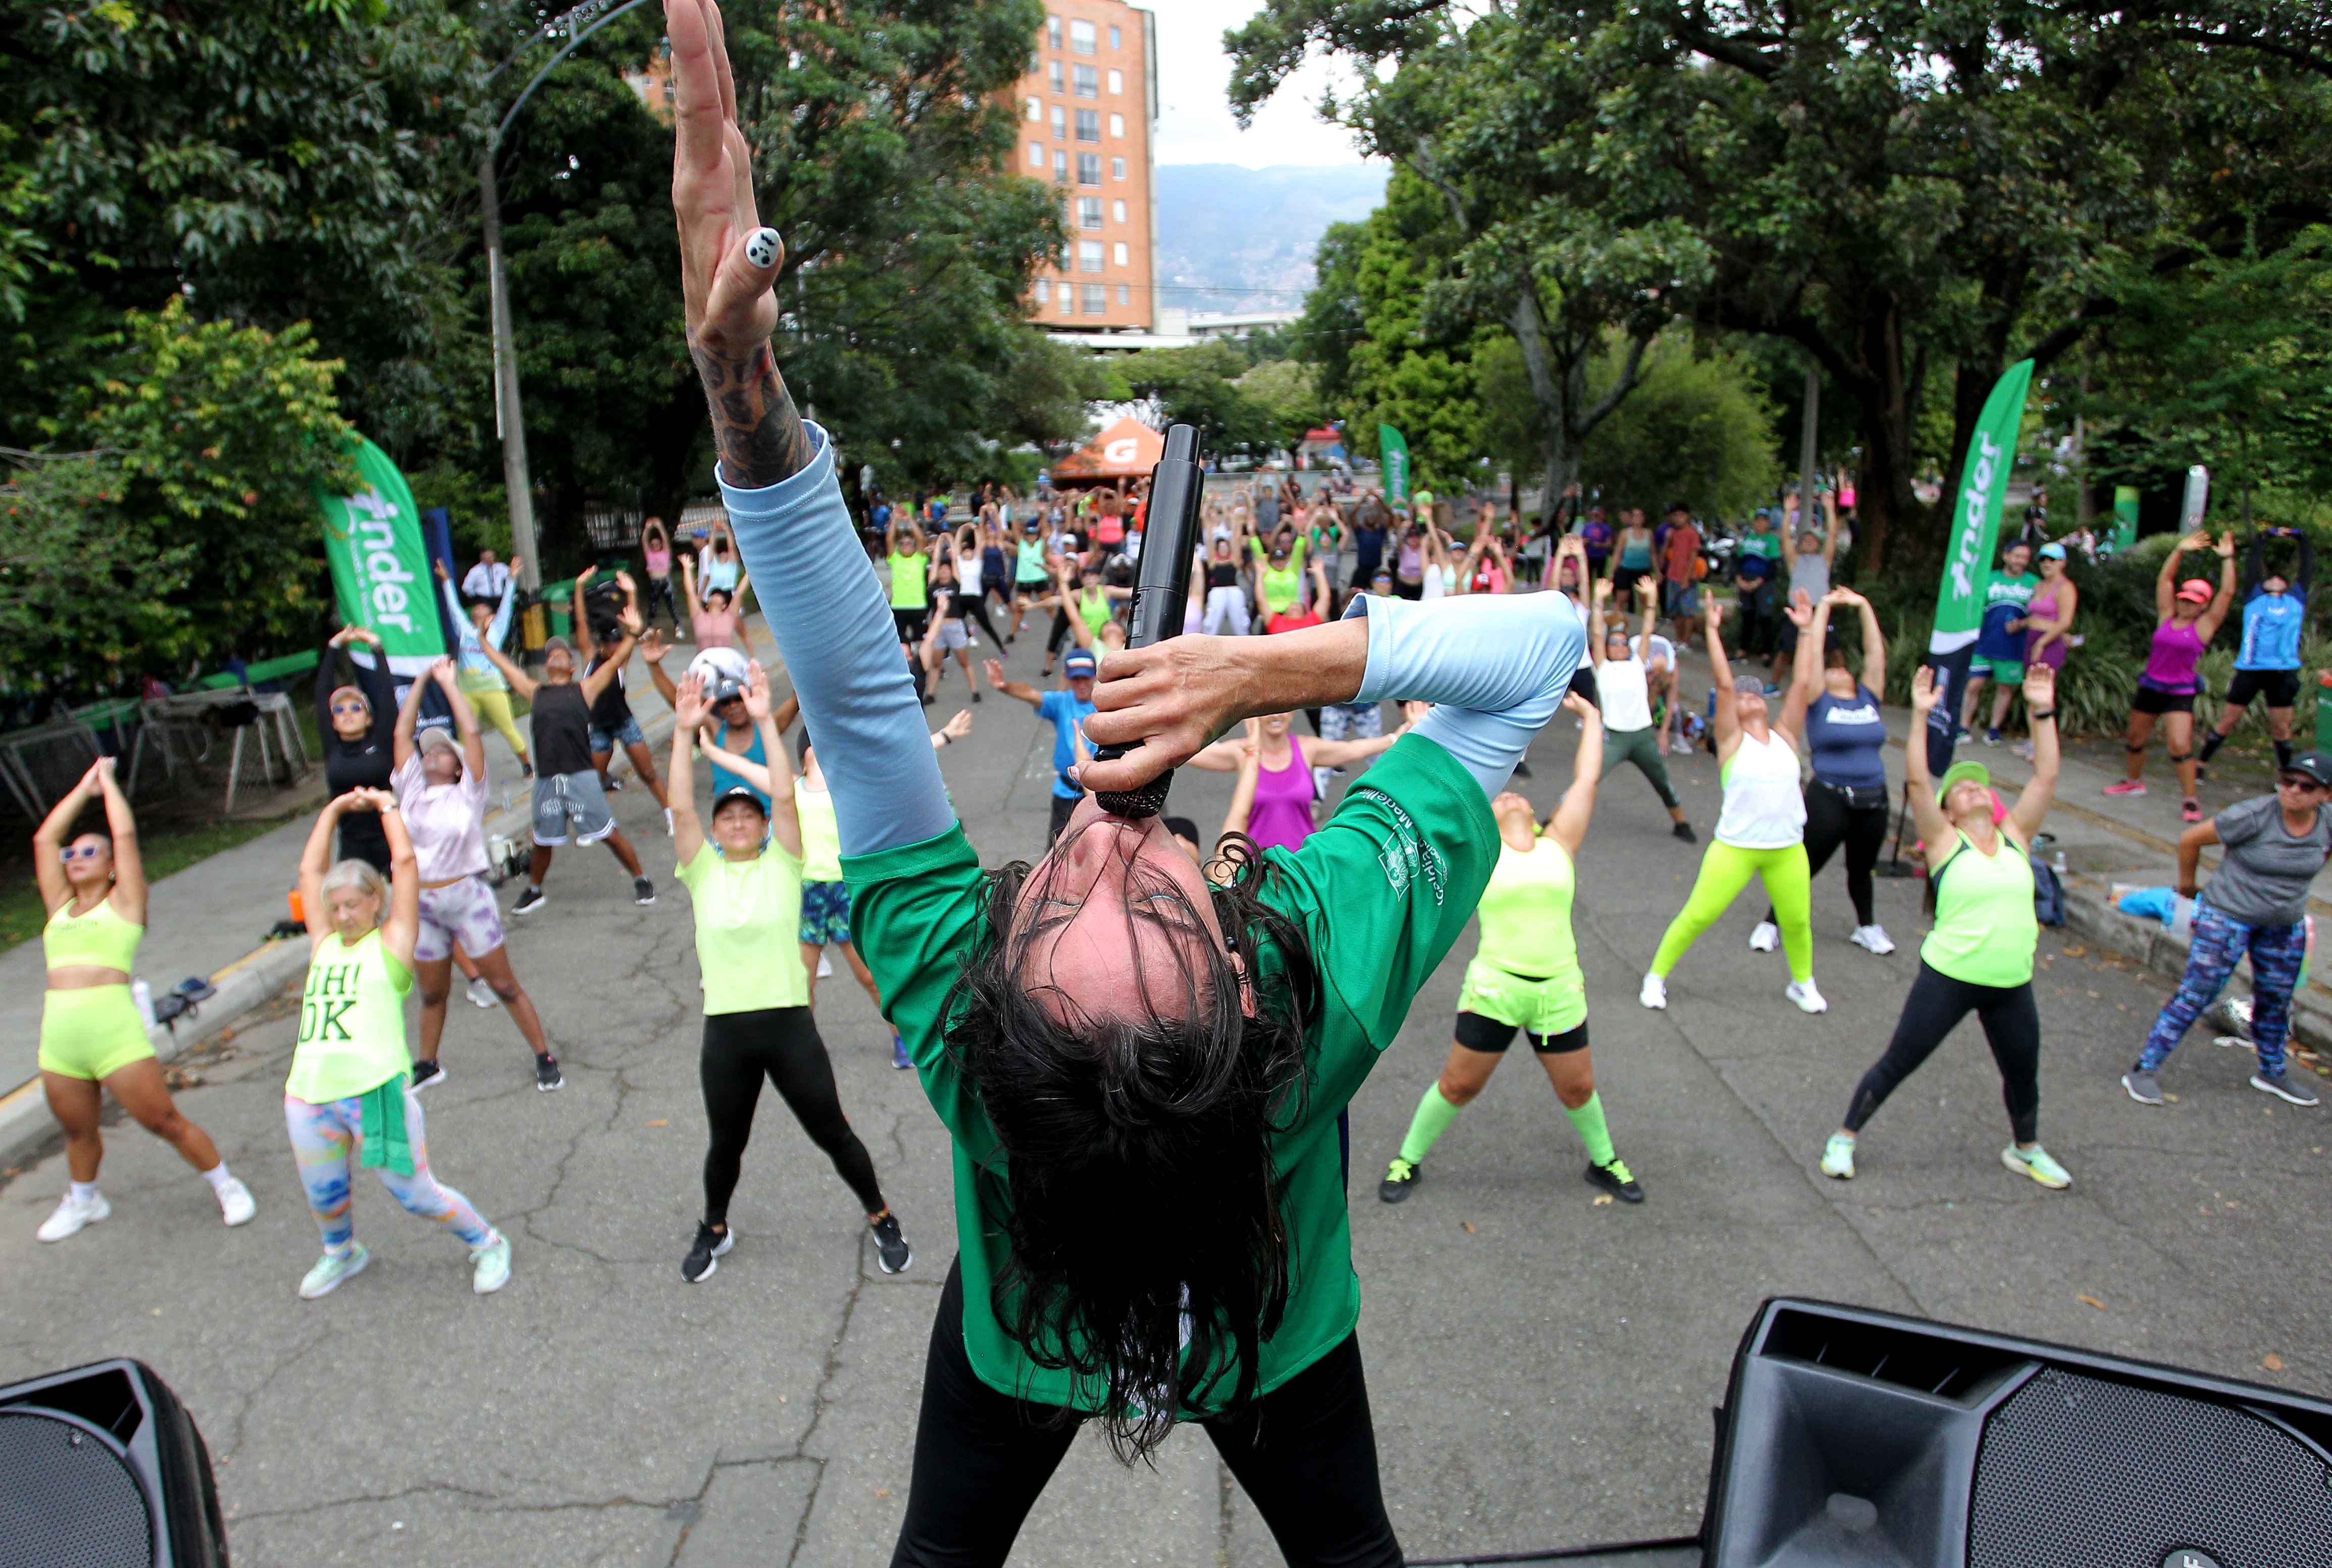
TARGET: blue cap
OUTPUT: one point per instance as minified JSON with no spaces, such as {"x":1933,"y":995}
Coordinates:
{"x":1078,"y":663}
{"x":2053,"y":550}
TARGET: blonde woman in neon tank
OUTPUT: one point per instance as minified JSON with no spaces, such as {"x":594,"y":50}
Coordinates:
{"x":349,"y":1102}
{"x":92,"y":1039}
{"x":1526,"y":976}
{"x":1761,"y":830}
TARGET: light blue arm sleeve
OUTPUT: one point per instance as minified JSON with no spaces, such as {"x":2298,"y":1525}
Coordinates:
{"x":466,"y":650}
{"x":498,"y":629}
{"x":1495,"y":666}
{"x":833,"y":624}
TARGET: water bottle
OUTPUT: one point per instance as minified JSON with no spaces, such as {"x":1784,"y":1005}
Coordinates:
{"x":143,"y":995}
{"x":2057,"y":863}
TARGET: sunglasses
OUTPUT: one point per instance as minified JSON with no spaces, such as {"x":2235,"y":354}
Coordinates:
{"x":2299,"y":781}
{"x":351,"y":708}
{"x":81,"y":852}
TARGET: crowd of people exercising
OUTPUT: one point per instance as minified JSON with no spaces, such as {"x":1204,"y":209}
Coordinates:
{"x":1144,"y":1040}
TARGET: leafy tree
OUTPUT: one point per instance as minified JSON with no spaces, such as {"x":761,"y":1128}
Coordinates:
{"x":1697,"y":429}
{"x":1287,"y":393}
{"x":1200,"y":386}
{"x":1332,"y":317}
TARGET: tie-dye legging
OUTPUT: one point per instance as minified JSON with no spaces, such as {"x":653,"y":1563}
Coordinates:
{"x":324,"y":1140}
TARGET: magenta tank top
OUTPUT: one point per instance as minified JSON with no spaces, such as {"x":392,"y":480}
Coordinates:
{"x":1282,"y":816}
{"x":2170,"y":665}
{"x":2043,"y":607}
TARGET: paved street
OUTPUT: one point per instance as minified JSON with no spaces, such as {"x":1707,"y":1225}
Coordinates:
{"x":1542,"y":1365}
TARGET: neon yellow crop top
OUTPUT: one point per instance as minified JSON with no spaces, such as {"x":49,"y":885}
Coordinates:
{"x":103,"y":937}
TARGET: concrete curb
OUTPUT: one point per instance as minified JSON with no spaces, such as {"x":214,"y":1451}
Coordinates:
{"x":2089,"y":913}
{"x":247,"y":984}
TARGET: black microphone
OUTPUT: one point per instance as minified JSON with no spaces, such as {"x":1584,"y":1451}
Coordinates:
{"x":1161,"y":588}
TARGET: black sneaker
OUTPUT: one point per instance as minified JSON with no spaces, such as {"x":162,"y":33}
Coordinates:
{"x":704,"y":1254}
{"x":975,"y":693}
{"x":1684,"y":830}
{"x":529,"y":901}
{"x":611,"y":784}
{"x":891,"y":1248}
{"x":426,"y":1074}
{"x":1616,"y":1179}
{"x":642,"y":890}
{"x":526,"y":770}
{"x":1400,"y":1180}
{"x":547,"y":1076}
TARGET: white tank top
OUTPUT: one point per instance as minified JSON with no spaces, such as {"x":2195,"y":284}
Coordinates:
{"x":1763,"y":808}
{"x":1625,"y":695}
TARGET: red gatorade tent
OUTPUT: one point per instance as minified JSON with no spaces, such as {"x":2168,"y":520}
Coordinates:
{"x":1128,"y":449}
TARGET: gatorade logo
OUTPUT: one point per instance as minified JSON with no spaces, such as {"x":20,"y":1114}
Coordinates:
{"x":1120,"y":451}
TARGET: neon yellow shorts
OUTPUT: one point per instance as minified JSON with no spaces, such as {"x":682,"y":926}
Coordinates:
{"x":1544,"y":1007}
{"x":92,"y":1033}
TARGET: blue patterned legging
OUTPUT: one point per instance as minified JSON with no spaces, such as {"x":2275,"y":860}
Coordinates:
{"x":2277,"y":953}
{"x":324,"y":1140}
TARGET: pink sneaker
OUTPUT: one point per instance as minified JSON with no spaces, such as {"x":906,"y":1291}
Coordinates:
{"x":2126,"y":786}
{"x":2192,"y":812}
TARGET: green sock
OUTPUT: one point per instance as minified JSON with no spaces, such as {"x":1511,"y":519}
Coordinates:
{"x":1434,"y":1115}
{"x":1588,"y":1119}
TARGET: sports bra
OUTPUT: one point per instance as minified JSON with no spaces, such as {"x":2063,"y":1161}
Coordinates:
{"x":104,"y":937}
{"x":1222,"y":575}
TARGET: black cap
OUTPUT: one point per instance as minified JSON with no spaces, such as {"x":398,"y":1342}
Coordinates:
{"x":2315,"y":764}
{"x":749,"y":796}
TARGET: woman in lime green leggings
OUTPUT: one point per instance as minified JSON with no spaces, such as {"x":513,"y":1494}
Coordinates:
{"x":1762,"y":830}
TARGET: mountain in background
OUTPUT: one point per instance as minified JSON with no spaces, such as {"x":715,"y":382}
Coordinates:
{"x":1242,"y":239}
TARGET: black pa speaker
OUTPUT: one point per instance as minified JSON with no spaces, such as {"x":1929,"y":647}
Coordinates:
{"x":1853,"y":1438}
{"x":103,"y":1468}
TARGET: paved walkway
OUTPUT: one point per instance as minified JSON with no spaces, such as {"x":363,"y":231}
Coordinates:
{"x":1542,"y":1365}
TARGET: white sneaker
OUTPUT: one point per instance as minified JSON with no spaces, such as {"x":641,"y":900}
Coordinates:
{"x":1809,"y":999}
{"x":1838,"y":1157}
{"x":333,"y":1270}
{"x":1765,"y":938}
{"x":490,"y":1266}
{"x":1873,"y":937}
{"x":824,"y":964}
{"x":1655,"y":993}
{"x":71,"y":1217}
{"x":235,"y":1201}
{"x":480,"y":993}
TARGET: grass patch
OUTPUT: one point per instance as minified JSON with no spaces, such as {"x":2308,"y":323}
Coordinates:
{"x":167,"y":847}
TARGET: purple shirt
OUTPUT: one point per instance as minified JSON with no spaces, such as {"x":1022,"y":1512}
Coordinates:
{"x":2170,"y":665}
{"x":1282,"y":816}
{"x":446,"y":822}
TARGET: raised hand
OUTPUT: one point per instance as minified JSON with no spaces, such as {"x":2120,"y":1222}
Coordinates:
{"x":756,"y":692}
{"x":2039,"y":688}
{"x":439,"y":568}
{"x":1799,"y":609}
{"x":653,"y":647}
{"x":1712,"y":611}
{"x":1580,"y":706}
{"x":994,"y":670}
{"x":956,"y":728}
{"x":2200,"y":539}
{"x":2226,"y":545}
{"x":689,"y":707}
{"x":445,"y":672}
{"x":1923,"y":687}
{"x":1645,"y":588}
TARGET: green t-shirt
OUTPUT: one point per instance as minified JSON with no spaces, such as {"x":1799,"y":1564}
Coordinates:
{"x":1767,"y":546}
{"x":821,"y":834}
{"x":748,"y":923}
{"x":1381,"y":892}
{"x":351,"y":1020}
{"x":1526,"y":914}
{"x":1985,"y":930}
{"x":908,"y":591}
{"x":1281,"y":584}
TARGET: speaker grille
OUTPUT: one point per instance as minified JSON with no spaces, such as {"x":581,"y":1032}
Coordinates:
{"x":72,"y":1503}
{"x":2077,"y":1469}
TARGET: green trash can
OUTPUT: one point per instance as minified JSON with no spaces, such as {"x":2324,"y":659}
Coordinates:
{"x":2324,"y":712}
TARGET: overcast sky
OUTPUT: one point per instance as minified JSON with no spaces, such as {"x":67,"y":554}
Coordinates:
{"x":1195,"y":123}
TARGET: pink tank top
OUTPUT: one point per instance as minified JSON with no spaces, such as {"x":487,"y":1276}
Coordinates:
{"x":2177,"y":649}
{"x":1282,"y":818}
{"x":2043,"y":607}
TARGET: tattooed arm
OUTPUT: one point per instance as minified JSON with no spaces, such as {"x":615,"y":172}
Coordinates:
{"x":756,"y":430}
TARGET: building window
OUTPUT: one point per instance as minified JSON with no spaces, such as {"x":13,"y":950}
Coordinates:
{"x":1053,"y":31}
{"x":1117,"y":83}
{"x":1089,"y":255}
{"x":1060,"y":123}
{"x":1061,"y":166}
{"x":1044,"y":290}
{"x":1117,"y":125}
{"x":1124,"y":295}
{"x":1117,"y":168}
{"x":1116,"y":38}
{"x":1119,"y":254}
{"x":1089,"y":168}
{"x":1088,"y":125}
{"x":1068,"y":301}
{"x":1035,"y":108}
{"x":1052,"y":71}
{"x":1096,"y":299}
{"x":1118,"y":211}
{"x":1089,"y":212}
{"x":1088,"y":81}
{"x":1036,"y":155}
{"x":1082,"y":40}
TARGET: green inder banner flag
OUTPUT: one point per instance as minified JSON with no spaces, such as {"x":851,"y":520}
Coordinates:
{"x":380,"y":567}
{"x":1392,"y":451}
{"x":1967,"y":563}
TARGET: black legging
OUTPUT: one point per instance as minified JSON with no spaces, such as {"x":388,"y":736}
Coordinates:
{"x":2011,"y":1027}
{"x":1831,"y":822}
{"x":1060,"y":633}
{"x":782,"y":1044}
{"x":976,"y":609}
{"x":1306,"y":1453}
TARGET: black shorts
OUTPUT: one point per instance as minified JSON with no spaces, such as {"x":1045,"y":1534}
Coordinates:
{"x":1477,"y":1033}
{"x":1785,"y":638}
{"x":910,"y":622}
{"x":2280,"y":687}
{"x":2154,"y":700}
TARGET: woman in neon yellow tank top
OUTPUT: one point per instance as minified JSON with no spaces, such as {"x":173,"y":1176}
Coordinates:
{"x":349,"y":1102}
{"x":92,"y":1039}
{"x":1978,"y":958}
{"x":1526,"y":976}
{"x":1761,"y":830}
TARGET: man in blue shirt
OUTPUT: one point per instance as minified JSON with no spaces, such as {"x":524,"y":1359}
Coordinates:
{"x":2275,"y":618}
{"x":1064,"y":710}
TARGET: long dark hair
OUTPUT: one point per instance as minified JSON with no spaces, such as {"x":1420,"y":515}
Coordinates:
{"x":1141,"y":1195}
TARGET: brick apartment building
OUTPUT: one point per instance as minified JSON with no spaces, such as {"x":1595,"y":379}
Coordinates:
{"x":1087,"y":109}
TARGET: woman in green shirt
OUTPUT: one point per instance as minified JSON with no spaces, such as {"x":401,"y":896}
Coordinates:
{"x":1978,"y":958}
{"x":348,"y":1093}
{"x":745,"y":882}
